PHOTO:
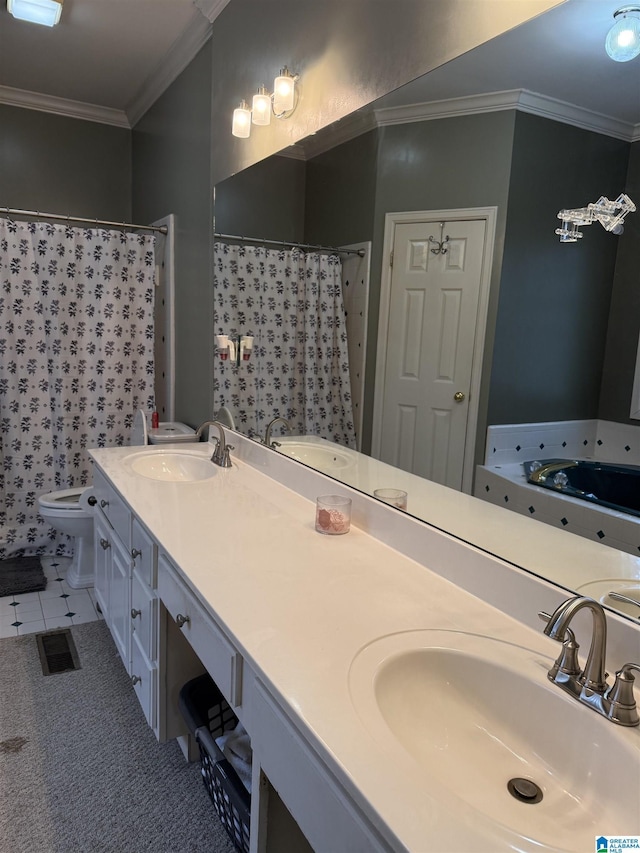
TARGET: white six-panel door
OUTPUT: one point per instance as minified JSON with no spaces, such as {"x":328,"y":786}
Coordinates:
{"x":430,"y":343}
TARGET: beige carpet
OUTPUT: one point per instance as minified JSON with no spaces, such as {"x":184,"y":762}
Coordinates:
{"x":80,"y":770}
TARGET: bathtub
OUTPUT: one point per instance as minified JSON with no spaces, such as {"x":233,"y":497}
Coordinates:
{"x":609,"y":485}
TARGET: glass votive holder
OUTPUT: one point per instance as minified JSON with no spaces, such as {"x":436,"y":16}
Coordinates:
{"x":333,"y":514}
{"x":394,"y":497}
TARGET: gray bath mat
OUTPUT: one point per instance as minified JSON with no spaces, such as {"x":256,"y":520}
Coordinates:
{"x":21,"y":574}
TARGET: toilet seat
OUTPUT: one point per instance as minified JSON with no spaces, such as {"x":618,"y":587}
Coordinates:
{"x":67,"y":500}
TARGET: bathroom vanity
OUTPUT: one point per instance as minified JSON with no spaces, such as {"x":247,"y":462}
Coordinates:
{"x":375,"y":672}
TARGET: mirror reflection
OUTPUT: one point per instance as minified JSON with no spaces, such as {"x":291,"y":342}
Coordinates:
{"x":413,"y":317}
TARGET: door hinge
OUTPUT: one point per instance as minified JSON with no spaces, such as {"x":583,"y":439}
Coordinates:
{"x":391,"y":258}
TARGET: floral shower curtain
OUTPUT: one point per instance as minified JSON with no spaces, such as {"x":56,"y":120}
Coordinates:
{"x":76,"y":362}
{"x":291,"y":303}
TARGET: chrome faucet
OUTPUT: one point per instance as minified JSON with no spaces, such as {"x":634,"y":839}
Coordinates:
{"x":270,"y":426}
{"x":590,"y":686}
{"x":220,"y":455}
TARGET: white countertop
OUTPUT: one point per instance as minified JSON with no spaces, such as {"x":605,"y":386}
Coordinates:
{"x":299,"y":606}
{"x":566,"y":558}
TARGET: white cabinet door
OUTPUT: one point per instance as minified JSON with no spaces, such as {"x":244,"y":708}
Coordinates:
{"x":120,"y":599}
{"x":103,"y":536}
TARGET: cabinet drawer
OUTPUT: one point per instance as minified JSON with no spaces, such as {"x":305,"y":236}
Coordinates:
{"x":145,"y":554}
{"x":219,"y":657}
{"x":144,"y":609}
{"x":114,"y":508}
{"x":144,"y":677}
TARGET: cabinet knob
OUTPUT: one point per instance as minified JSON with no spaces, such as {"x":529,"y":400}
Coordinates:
{"x":136,"y":552}
{"x":135,"y":613}
{"x":104,"y":543}
{"x":458,"y":396}
{"x":181,"y":620}
{"x":92,"y":501}
{"x":104,"y":503}
{"x":135,"y":679}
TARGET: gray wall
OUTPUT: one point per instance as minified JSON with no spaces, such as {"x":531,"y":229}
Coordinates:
{"x":172,"y":174}
{"x":624,"y":318}
{"x":265,"y":201}
{"x":453,"y":163}
{"x":554,"y":298}
{"x":341,"y":193}
{"x":347,"y":53}
{"x":64,"y":165}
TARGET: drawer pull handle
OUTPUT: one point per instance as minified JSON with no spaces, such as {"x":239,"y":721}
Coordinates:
{"x":104,"y":503}
{"x":104,"y":543}
{"x":136,"y":552}
{"x":135,"y":679}
{"x":181,"y":620}
{"x":135,"y":613}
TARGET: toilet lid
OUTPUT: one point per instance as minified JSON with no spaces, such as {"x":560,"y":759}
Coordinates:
{"x":139,"y":435}
{"x":69,"y":498}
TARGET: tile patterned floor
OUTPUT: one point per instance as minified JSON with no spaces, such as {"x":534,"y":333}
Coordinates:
{"x":57,"y":606}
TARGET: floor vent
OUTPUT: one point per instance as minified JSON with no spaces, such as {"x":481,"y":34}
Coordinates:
{"x":57,"y":652}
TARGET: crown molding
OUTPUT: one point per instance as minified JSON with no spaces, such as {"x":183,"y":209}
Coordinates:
{"x":180,"y":54}
{"x":62,"y":106}
{"x":518,"y":99}
{"x":211,"y":8}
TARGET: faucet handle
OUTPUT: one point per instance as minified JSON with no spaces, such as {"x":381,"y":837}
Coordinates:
{"x":623,"y":704}
{"x":567,"y":661}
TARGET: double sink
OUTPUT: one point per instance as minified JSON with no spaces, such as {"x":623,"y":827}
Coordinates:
{"x":477,"y":724}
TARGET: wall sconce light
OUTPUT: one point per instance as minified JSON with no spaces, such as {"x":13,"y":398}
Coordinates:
{"x":281,"y":103}
{"x":45,"y":12}
{"x":241,"y":126}
{"x":610,"y":214}
{"x":623,"y":39}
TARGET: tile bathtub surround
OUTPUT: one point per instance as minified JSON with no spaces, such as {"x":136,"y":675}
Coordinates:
{"x":603,"y":440}
{"x":506,"y":486}
{"x":57,"y":606}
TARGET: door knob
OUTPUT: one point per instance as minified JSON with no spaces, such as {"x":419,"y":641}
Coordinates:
{"x":458,"y":396}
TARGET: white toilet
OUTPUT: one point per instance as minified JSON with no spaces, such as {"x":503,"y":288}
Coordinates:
{"x":69,"y":511}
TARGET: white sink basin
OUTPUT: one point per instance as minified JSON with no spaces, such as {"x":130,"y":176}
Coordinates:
{"x":600,"y":590}
{"x":468,"y":714}
{"x":324,"y":457}
{"x":172,"y":466}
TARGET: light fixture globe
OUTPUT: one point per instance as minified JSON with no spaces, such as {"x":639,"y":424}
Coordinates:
{"x":284,"y":92}
{"x":623,"y":39}
{"x":261,"y":107}
{"x":45,"y":12}
{"x":241,"y":125}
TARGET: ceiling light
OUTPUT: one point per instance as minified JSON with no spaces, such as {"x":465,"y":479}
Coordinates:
{"x":45,"y":12}
{"x":623,"y":39}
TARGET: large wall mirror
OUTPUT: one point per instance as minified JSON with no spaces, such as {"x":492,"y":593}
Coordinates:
{"x":476,"y":158}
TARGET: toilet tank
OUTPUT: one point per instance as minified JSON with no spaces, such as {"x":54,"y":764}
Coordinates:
{"x":170,"y":432}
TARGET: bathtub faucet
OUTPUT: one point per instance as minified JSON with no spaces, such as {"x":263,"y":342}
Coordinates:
{"x":220,"y":455}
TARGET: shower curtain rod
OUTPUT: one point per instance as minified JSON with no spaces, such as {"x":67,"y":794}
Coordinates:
{"x":359,"y":252}
{"x":12,"y":210}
